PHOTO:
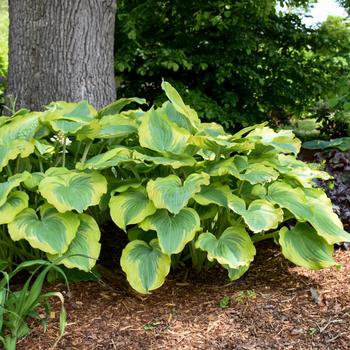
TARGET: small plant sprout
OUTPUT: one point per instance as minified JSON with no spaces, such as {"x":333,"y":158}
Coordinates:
{"x":244,"y":296}
{"x":224,"y":302}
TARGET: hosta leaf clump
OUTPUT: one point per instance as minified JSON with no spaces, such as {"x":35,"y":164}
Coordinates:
{"x":183,"y":191}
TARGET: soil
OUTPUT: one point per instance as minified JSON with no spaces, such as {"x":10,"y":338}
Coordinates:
{"x":274,"y":306}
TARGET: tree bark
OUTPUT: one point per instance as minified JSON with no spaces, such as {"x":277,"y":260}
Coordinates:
{"x":61,"y":50}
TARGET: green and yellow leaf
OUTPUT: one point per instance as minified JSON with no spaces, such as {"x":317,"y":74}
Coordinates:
{"x":290,"y":198}
{"x":235,"y":274}
{"x":233,"y":248}
{"x":11,"y":183}
{"x":14,"y":149}
{"x":283,"y":140}
{"x":73,"y":190}
{"x":145,"y":265}
{"x":324,"y":220}
{"x":172,"y":194}
{"x":52,"y":233}
{"x":15,"y":203}
{"x":117,"y":106}
{"x":304,"y":247}
{"x":261,"y":215}
{"x":111,"y":158}
{"x":158,"y":133}
{"x":113,"y":126}
{"x":84,"y":249}
{"x":179,"y":104}
{"x":173,"y":231}
{"x":259,"y":174}
{"x":131,"y":207}
{"x":172,"y":160}
{"x":220,"y":195}
{"x":20,"y":127}
{"x":69,"y":117}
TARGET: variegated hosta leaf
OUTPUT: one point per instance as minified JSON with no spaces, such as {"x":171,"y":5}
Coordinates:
{"x":12,"y":182}
{"x":33,"y":181}
{"x":233,"y":248}
{"x":290,"y":198}
{"x":178,"y":118}
{"x":173,"y":194}
{"x":304,"y":247}
{"x":116,"y":106}
{"x":20,"y":127}
{"x":235,"y":274}
{"x":310,"y":205}
{"x":238,"y":135}
{"x":259,"y":174}
{"x":211,"y":129}
{"x":175,"y":161}
{"x":221,"y":195}
{"x":324,"y":220}
{"x":16,"y":202}
{"x":282,"y":141}
{"x":159,"y":133}
{"x":239,"y":167}
{"x":211,"y":143}
{"x":174,"y":231}
{"x":231,"y":166}
{"x":54,"y":171}
{"x":73,"y":190}
{"x":52,"y":233}
{"x":130,"y":207}
{"x":84,"y":250}
{"x":179,"y":104}
{"x":297,"y":169}
{"x":124,"y":185}
{"x":306,"y":175}
{"x":14,"y":149}
{"x":145,"y":265}
{"x":67,"y":117}
{"x":250,"y":192}
{"x":108,"y":159}
{"x":261,"y":215}
{"x":116,"y":126}
{"x":44,"y":148}
{"x":89,"y":131}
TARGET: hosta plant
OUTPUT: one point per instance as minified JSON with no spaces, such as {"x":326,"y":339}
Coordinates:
{"x":182,"y":190}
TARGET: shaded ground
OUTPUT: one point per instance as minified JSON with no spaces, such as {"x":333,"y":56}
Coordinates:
{"x":274,"y":306}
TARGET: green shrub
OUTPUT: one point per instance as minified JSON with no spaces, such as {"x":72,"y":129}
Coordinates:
{"x":334,"y":112}
{"x":243,"y":57}
{"x":181,"y":189}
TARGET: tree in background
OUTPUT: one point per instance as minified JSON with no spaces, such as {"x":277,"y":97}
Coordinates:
{"x":236,"y":61}
{"x":61,"y":50}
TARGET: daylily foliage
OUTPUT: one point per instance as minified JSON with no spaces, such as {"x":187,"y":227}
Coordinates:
{"x":179,"y":188}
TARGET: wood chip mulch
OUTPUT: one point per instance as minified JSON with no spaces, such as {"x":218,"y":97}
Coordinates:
{"x":274,"y":306}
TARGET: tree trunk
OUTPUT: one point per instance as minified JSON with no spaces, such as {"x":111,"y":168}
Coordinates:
{"x":61,"y":50}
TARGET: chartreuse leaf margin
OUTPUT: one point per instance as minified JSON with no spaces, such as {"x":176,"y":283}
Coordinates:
{"x":184,"y":192}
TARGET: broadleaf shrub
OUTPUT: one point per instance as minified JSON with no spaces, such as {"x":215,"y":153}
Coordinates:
{"x":181,"y":189}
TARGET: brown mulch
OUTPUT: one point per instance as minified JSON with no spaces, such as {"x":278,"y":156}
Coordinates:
{"x":274,"y":306}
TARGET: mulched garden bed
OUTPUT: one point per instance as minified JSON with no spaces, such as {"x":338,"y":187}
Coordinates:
{"x":274,"y":306}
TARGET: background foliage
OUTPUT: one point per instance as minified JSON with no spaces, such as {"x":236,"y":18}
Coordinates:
{"x":241,"y":60}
